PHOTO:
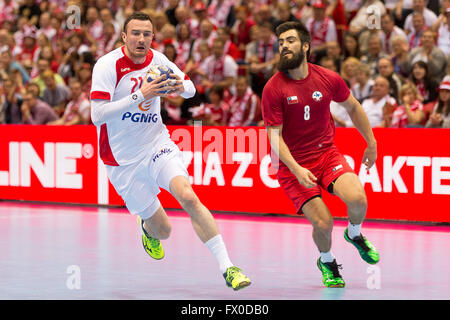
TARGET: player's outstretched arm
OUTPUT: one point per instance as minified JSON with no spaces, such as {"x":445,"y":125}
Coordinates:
{"x":361,"y":122}
{"x":304,"y":176}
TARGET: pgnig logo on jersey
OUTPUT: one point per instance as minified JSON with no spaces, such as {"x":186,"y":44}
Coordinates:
{"x":160,"y":153}
{"x":140,"y":117}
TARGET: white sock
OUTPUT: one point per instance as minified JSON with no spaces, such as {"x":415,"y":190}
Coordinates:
{"x":327,"y":256}
{"x":218,"y":249}
{"x":354,"y":230}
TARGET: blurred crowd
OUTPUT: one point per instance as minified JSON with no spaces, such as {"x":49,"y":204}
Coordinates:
{"x":394,"y":56}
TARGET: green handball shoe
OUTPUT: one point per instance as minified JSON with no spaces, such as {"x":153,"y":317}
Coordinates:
{"x":366,"y":250}
{"x":331,"y":277}
{"x":151,"y":245}
{"x":235,"y":279}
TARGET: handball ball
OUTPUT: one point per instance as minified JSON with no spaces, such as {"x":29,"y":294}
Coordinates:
{"x":156,"y":71}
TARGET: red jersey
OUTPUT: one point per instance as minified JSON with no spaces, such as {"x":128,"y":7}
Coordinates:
{"x":303,"y":108}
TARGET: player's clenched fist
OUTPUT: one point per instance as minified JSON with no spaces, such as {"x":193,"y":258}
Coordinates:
{"x":176,"y":85}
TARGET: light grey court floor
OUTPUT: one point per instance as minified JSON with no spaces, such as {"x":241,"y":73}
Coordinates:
{"x":68,"y":252}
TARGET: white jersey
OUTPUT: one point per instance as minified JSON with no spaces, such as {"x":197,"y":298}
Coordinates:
{"x":135,"y":126}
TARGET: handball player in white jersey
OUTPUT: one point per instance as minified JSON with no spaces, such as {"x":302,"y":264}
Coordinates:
{"x":136,"y":147}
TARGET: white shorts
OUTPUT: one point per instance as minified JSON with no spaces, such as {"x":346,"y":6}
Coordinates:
{"x":138,"y":183}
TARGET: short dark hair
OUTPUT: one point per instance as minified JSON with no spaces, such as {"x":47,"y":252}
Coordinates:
{"x":136,"y":16}
{"x":302,"y":31}
{"x":217,"y":89}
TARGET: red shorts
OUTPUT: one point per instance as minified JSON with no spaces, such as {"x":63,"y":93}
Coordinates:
{"x":326,"y":169}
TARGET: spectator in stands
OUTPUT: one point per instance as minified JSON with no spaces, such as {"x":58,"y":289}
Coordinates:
{"x":84,"y":74}
{"x":221,"y":13}
{"x":264,"y":59}
{"x":109,"y":37}
{"x":42,"y":66}
{"x":195,"y":66}
{"x":171,"y":7}
{"x":159,"y":21}
{"x":284,"y":14}
{"x":380,"y":105}
{"x":207,"y":34}
{"x":77,"y":110}
{"x":362,"y":88}
{"x":45,"y":26}
{"x":420,"y":7}
{"x":183,"y":16}
{"x":415,"y":36}
{"x":402,"y":9}
{"x":214,"y":113}
{"x":68,"y":66}
{"x":440,"y":118}
{"x":170,"y":52}
{"x":219,"y":68}
{"x":168,"y":35}
{"x":35,"y":111}
{"x":442,"y":27}
{"x":139,"y":5}
{"x":333,"y":51}
{"x":182,"y":45}
{"x":241,"y":30}
{"x":302,"y":11}
{"x":389,"y":30}
{"x":8,"y":65}
{"x":322,"y":30}
{"x":77,"y":42}
{"x":264,"y":15}
{"x":425,"y":84}
{"x":122,"y":7}
{"x":34,"y":89}
{"x":93,"y":23}
{"x":48,"y":53}
{"x":230,"y":48}
{"x":10,"y":102}
{"x":56,"y":95}
{"x":348,"y":71}
{"x":400,"y":55}
{"x":359,"y":22}
{"x":245,"y":105}
{"x":351,"y":46}
{"x":374,"y":55}
{"x":8,"y":10}
{"x":171,"y":110}
{"x":200,"y":13}
{"x":31,"y":11}
{"x":328,"y":63}
{"x":340,"y":115}
{"x":431,"y":54}
{"x":410,"y":113}
{"x":386,"y":69}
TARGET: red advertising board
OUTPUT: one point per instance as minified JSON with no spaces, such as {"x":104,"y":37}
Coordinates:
{"x":230,"y":170}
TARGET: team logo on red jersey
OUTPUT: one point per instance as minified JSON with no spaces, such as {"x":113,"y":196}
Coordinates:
{"x":317,"y":96}
{"x":292,"y":100}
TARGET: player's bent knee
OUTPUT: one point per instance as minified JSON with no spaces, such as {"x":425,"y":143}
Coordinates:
{"x":188,"y":198}
{"x":324,"y":226}
{"x":358,"y":202}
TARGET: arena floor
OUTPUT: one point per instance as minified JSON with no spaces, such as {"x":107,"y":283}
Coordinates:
{"x":69,"y":252}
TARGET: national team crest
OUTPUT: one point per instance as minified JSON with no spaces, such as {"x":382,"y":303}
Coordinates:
{"x":292,"y":100}
{"x":317,"y":96}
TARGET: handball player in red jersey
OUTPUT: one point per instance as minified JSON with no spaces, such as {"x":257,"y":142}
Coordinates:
{"x":296,"y":112}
